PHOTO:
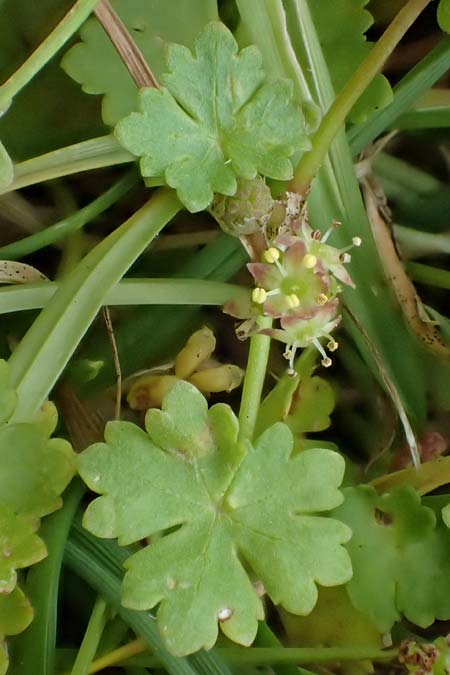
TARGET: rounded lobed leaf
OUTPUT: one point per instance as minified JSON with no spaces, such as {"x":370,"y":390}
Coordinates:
{"x":95,"y":64}
{"x":215,"y":119}
{"x":35,"y":470}
{"x":16,"y":613}
{"x":19,"y":548}
{"x":398,"y":546}
{"x":219,"y":515}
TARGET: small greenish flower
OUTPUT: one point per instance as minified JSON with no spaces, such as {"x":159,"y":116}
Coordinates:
{"x":290,"y":281}
{"x":305,"y":328}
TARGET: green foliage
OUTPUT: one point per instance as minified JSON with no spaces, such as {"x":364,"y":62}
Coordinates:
{"x":35,"y":470}
{"x":398,"y":546}
{"x":15,"y":612}
{"x":333,"y":621}
{"x":220,"y":515}
{"x":6,"y":168}
{"x":341,"y":26}
{"x":304,"y":402}
{"x":19,"y":546}
{"x":443,"y":15}
{"x":95,"y":64}
{"x":215,"y":119}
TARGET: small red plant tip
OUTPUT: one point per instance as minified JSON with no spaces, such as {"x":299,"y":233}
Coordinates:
{"x":316,"y":235}
{"x":335,"y":224}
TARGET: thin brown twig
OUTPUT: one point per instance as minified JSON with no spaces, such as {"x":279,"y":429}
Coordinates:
{"x":126,"y":47}
{"x":113,"y":343}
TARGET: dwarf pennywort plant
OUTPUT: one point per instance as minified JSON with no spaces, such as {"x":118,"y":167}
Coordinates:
{"x":229,"y":514}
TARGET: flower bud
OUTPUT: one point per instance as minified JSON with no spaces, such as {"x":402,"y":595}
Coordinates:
{"x":198,"y":348}
{"x":247,"y":211}
{"x":149,"y":390}
{"x":214,"y":380}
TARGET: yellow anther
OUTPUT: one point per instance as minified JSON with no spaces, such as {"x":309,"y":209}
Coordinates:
{"x":271,"y":255}
{"x":322,"y":299}
{"x":357,"y":241}
{"x":259,"y":296}
{"x":292,"y":301}
{"x":309,"y":261}
{"x":326,"y":362}
{"x":332,"y":345}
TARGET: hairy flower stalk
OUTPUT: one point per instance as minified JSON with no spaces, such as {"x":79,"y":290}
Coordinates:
{"x":297,"y":282}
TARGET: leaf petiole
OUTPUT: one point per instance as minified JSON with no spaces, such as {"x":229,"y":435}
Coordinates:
{"x":68,"y":25}
{"x":84,"y":156}
{"x":344,"y":102}
{"x":54,"y":233}
{"x":254,"y":381}
{"x":89,"y":645}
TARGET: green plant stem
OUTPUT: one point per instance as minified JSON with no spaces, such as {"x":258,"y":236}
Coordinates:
{"x":43,"y":353}
{"x":91,"y":638}
{"x":253,"y":656}
{"x":68,"y":25}
{"x":411,"y":178}
{"x":406,"y":92}
{"x":344,"y":102}
{"x":416,"y":243}
{"x":95,"y":153}
{"x":426,"y":274}
{"x":128,"y":292}
{"x":254,"y":380}
{"x":55,"y":233}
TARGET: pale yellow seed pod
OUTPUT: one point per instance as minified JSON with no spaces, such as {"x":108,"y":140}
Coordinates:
{"x":309,"y":261}
{"x":259,"y":296}
{"x":271,"y":255}
{"x":214,"y":380}
{"x":149,"y":390}
{"x":198,"y":348}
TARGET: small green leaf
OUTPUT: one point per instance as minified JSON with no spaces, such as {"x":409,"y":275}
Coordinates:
{"x":19,"y":548}
{"x":443,"y":15}
{"x":16,"y":613}
{"x":6,"y":168}
{"x":220,"y":515}
{"x":311,"y":406}
{"x":397,"y":547}
{"x":36,"y":469}
{"x":340,"y":26}
{"x":216,"y":120}
{"x":95,"y":64}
